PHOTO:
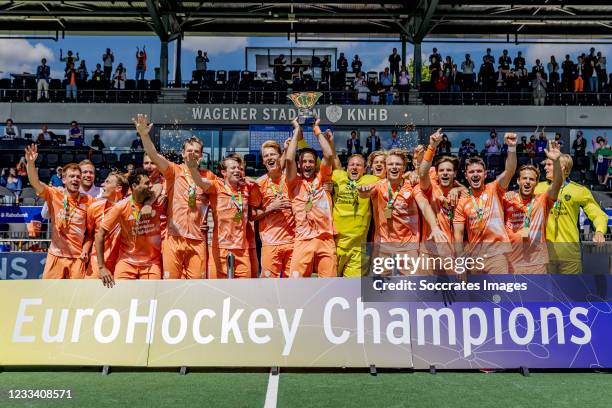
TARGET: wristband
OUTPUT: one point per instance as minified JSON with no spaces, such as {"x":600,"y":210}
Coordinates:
{"x":316,"y":130}
{"x":429,"y":154}
{"x":512,"y":149}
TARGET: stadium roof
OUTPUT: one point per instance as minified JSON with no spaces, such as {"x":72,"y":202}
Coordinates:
{"x":389,"y":18}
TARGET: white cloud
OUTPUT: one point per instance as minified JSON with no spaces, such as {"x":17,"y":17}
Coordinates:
{"x":18,"y":55}
{"x":215,"y":45}
{"x":544,"y":51}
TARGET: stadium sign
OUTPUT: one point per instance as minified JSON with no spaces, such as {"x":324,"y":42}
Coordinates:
{"x":271,"y":114}
{"x":287,"y":322}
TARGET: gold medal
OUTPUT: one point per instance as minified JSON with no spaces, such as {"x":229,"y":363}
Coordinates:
{"x":388,"y":212}
{"x":192,"y":200}
{"x":308,"y":206}
{"x":524,"y":232}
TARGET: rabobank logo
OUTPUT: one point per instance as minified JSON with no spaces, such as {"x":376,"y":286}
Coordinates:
{"x":333,"y":113}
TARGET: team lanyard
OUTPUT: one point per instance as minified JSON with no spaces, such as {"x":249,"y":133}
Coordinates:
{"x":191,"y":192}
{"x":237,"y":202}
{"x":449,"y":209}
{"x":393,"y":194}
{"x":136,"y":213}
{"x":312,"y":191}
{"x":527,"y":218}
{"x":277,"y":192}
{"x":69,"y":211}
{"x":479,"y":207}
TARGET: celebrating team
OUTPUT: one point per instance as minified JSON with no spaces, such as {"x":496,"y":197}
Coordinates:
{"x":312,"y":215}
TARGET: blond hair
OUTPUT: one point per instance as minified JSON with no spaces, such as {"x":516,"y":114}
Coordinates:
{"x":271,"y":143}
{"x":401,"y":153}
{"x":373,"y":156}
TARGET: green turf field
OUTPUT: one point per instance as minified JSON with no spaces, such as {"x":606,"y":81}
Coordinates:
{"x":239,"y":389}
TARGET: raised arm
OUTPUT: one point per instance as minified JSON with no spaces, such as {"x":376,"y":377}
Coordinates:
{"x":31,"y":154}
{"x":434,"y":142}
{"x":436,"y":233}
{"x":328,"y":153}
{"x":143,"y":127}
{"x":105,"y":275}
{"x":336,"y":164}
{"x":192,"y":163}
{"x":290,"y":165}
{"x":505,"y":178}
{"x":554,"y":153}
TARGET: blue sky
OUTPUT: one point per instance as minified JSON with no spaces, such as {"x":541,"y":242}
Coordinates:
{"x":20,"y":55}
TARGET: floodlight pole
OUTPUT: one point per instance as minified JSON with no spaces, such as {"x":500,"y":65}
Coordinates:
{"x":177,"y":67}
{"x":417,"y":64}
{"x":163,"y":64}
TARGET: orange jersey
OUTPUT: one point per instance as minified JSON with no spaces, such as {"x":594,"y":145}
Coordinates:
{"x":436,"y":196}
{"x":229,"y":215}
{"x":487,"y":225}
{"x":312,"y":206}
{"x":277,"y":228}
{"x":68,"y":221}
{"x":96,"y":213}
{"x":531,"y":250}
{"x":184,"y":220}
{"x":140,"y":238}
{"x":164,"y":195}
{"x":403,"y":226}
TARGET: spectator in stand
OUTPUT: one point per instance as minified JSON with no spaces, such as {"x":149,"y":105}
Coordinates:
{"x":98,"y":76}
{"x":468,"y":71}
{"x":69,"y":59}
{"x":74,"y":134}
{"x":43,"y":75}
{"x":595,"y":140}
{"x":10,"y":130}
{"x":136,"y":145}
{"x":558,"y":140}
{"x":539,"y":89}
{"x":119,"y":78}
{"x":342,"y":64}
{"x":141,"y":63}
{"x":538,"y":67}
{"x":97,"y":143}
{"x":567,"y":75}
{"x":465,"y":150}
{"x":361,"y":86}
{"x":376,"y":91}
{"x":454,"y":80}
{"x":356,"y":64}
{"x":492,"y":145}
{"x":489,"y":57}
{"x":22,"y":167}
{"x":579,"y":71}
{"x":129,"y":169}
{"x":601,"y":67}
{"x":56,"y":179}
{"x":500,"y":78}
{"x":486,"y":74}
{"x":353,"y":144}
{"x":519,"y":60}
{"x":435,"y":54}
{"x":373,"y":142}
{"x":82,"y":73}
{"x":553,"y":70}
{"x":395,"y":142}
{"x":279,"y":66}
{"x":326,"y":68}
{"x":444,"y":148}
{"x":505,"y":60}
{"x":531,"y":146}
{"x":541,"y":144}
{"x":71,"y":82}
{"x":46,"y":136}
{"x":394,"y":63}
{"x":593,"y":76}
{"x":603,"y":155}
{"x":11,"y":180}
{"x":579,"y":145}
{"x":201,"y":62}
{"x":108,"y":59}
{"x":386,"y":80}
{"x":591,"y":56}
{"x":447,"y":67}
{"x":434,"y":69}
{"x":403,"y":86}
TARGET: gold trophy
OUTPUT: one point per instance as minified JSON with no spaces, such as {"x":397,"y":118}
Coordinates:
{"x":304,"y":102}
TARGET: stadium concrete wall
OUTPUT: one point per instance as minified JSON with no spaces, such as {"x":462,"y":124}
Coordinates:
{"x":396,"y":115}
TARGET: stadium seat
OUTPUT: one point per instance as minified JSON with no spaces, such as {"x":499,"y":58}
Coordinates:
{"x":44,"y":174}
{"x":7,"y":159}
{"x":102,"y":174}
{"x":97,"y":158}
{"x":52,"y":159}
{"x":110,"y":159}
{"x":79,"y":157}
{"x":66,"y":158}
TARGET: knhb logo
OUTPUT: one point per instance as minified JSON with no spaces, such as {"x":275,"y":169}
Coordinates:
{"x":333,"y":113}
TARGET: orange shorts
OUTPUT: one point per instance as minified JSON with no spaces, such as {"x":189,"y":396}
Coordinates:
{"x":314,"y":254}
{"x":57,"y":267}
{"x":124,"y":270}
{"x":276,"y":259}
{"x":184,"y":258}
{"x":218,"y":263}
